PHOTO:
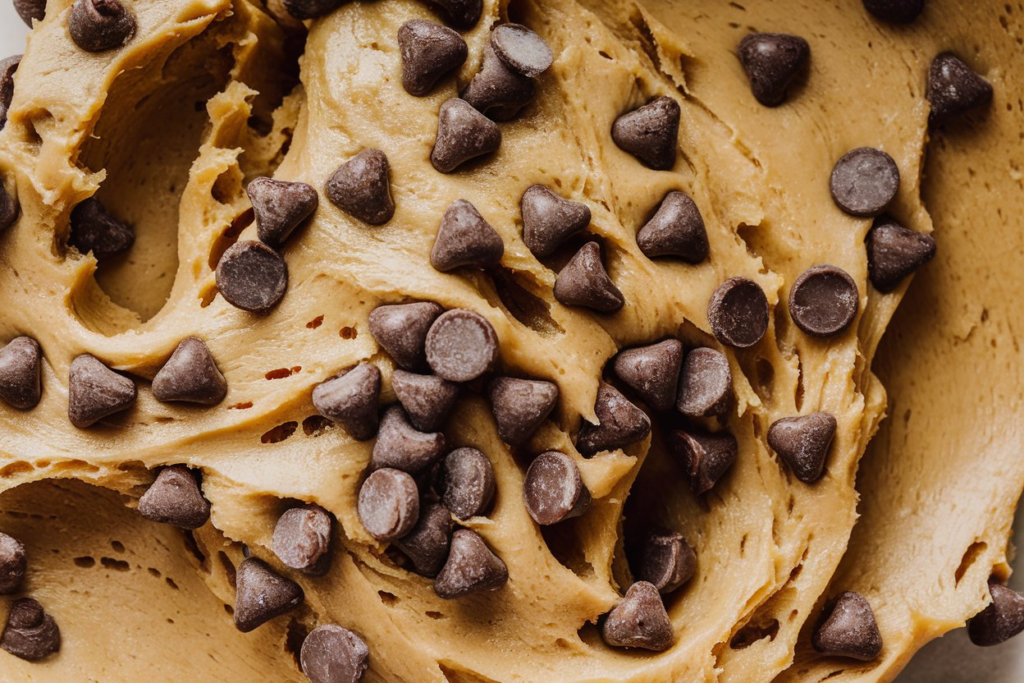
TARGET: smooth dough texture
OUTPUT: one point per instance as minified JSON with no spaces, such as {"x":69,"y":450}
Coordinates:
{"x":168,"y":130}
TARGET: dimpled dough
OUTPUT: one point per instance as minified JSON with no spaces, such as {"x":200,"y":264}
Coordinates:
{"x":160,"y":128}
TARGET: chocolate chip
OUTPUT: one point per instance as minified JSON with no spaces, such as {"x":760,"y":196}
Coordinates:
{"x":262,"y":594}
{"x":667,"y":560}
{"x":311,"y":9}
{"x":280,"y":207}
{"x":848,"y":629}
{"x":21,"y":364}
{"x":585,"y":282}
{"x":100,"y":25}
{"x":351,"y":399}
{"x":461,"y":346}
{"x":772,"y":62}
{"x":427,"y":544}
{"x":360,"y":187}
{"x":190,"y":375}
{"x":521,"y":50}
{"x":30,"y":9}
{"x":705,"y":384}
{"x":302,"y":539}
{"x":175,"y":498}
{"x":1001,"y":620}
{"x":953,"y":88}
{"x":554,"y":490}
{"x":12,"y":564}
{"x":332,"y":654}
{"x":704,"y":457}
{"x":548,"y":220}
{"x":738,"y":313}
{"x":620,"y":423}
{"x":894,"y":252}
{"x":94,"y":230}
{"x":824,"y":301}
{"x":676,"y":229}
{"x":497,"y":91}
{"x":30,"y":633}
{"x":520,"y":406}
{"x":429,"y":51}
{"x":469,"y":484}
{"x":401,"y":330}
{"x":472,"y":567}
{"x":463,"y":133}
{"x":252,"y":276}
{"x":895,"y":11}
{"x":652,"y":372}
{"x":462,"y":14}
{"x":95,"y":392}
{"x":402,"y":447}
{"x":465,"y":239}
{"x":803,"y":443}
{"x":864,"y":182}
{"x":8,"y":207}
{"x":650,"y":133}
{"x":639,"y":620}
{"x":389,"y":504}
{"x":7,"y":69}
{"x":428,"y":400}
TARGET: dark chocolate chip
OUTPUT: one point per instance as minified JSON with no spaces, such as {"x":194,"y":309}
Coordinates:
{"x":895,"y":11}
{"x":469,"y":483}
{"x":389,"y":504}
{"x":954,"y":88}
{"x":554,"y":490}
{"x":667,"y":560}
{"x":100,"y":25}
{"x":427,"y":399}
{"x":738,"y":313}
{"x":94,"y":230}
{"x":461,"y":346}
{"x":30,"y":633}
{"x":803,"y":443}
{"x":252,"y":276}
{"x":894,"y":252}
{"x":262,"y":594}
{"x":620,"y":423}
{"x":95,"y":392}
{"x":639,"y":620}
{"x":1001,"y":620}
{"x":12,"y":564}
{"x":175,"y":498}
{"x":471,"y":567}
{"x":360,"y":187}
{"x":30,"y":9}
{"x":462,"y":14}
{"x":585,"y":282}
{"x":429,"y":51}
{"x":772,"y":62}
{"x":332,"y":654}
{"x":302,"y":539}
{"x":676,"y":229}
{"x":427,"y":544}
{"x":8,"y":207}
{"x":351,"y":399}
{"x":280,"y":207}
{"x":652,"y":372}
{"x":521,"y":50}
{"x":311,"y":9}
{"x":463,"y":133}
{"x":705,"y":384}
{"x":848,"y":629}
{"x":465,"y":239}
{"x":497,"y":91}
{"x":704,"y":457}
{"x":864,"y":182}
{"x":21,"y":363}
{"x":401,"y":330}
{"x":650,"y":133}
{"x":401,"y":446}
{"x":190,"y":375}
{"x":548,"y":220}
{"x":824,"y":301}
{"x":7,"y":69}
{"x":520,"y":406}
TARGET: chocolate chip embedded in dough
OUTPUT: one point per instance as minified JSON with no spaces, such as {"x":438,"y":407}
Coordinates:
{"x":280,"y":206}
{"x":12,"y":564}
{"x":864,"y":182}
{"x":639,"y":620}
{"x":585,"y":282}
{"x":175,"y":498}
{"x":463,"y":133}
{"x":262,"y":594}
{"x":332,"y":654}
{"x":21,"y":363}
{"x":389,"y":504}
{"x":652,"y":372}
{"x":894,"y":252}
{"x":705,"y":384}
{"x":738,"y":313}
{"x":620,"y":423}
{"x":471,"y":568}
{"x":676,"y":229}
{"x":94,"y":230}
{"x":465,"y":239}
{"x":95,"y":392}
{"x":252,"y":276}
{"x":427,"y":399}
{"x":667,"y":561}
{"x":848,"y":629}
{"x":705,"y":457}
{"x":497,"y":91}
{"x":650,"y":133}
{"x":429,"y":51}
{"x":520,"y":406}
{"x":427,"y":544}
{"x":360,"y":187}
{"x":1001,"y":620}
{"x":521,"y":50}
{"x":7,"y":69}
{"x":302,"y":539}
{"x":554,"y":490}
{"x":311,"y":9}
{"x":548,"y":220}
{"x":30,"y":9}
{"x":772,"y":62}
{"x":8,"y":207}
{"x":954,"y":88}
{"x":469,"y":483}
{"x":100,"y":25}
{"x":462,"y":14}
{"x":190,"y":375}
{"x":401,"y":330}
{"x":30,"y":633}
{"x":461,"y":346}
{"x":823,"y":301}
{"x":895,"y":11}
{"x":402,"y":447}
{"x":351,"y":399}
{"x":803,"y":443}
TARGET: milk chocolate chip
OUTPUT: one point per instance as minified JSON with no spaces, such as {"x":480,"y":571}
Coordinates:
{"x":302,"y":539}
{"x":497,"y":91}
{"x":704,"y":457}
{"x":401,"y":330}
{"x":676,"y":229}
{"x":351,"y":399}
{"x":639,"y":620}
{"x":465,"y":239}
{"x":252,"y":276}
{"x":402,"y":447}
{"x":772,"y":62}
{"x":95,"y":392}
{"x":94,"y":230}
{"x":30,"y":9}
{"x":652,"y":372}
{"x":864,"y":182}
{"x":12,"y":564}
{"x":953,"y":88}
{"x":705,"y":384}
{"x":280,"y":207}
{"x":824,"y":301}
{"x":21,"y":364}
{"x":469,"y":483}
{"x":803,"y":443}
{"x":311,"y":9}
{"x":463,"y":133}
{"x":894,"y":252}
{"x":100,"y":25}
{"x":620,"y":423}
{"x":471,"y":568}
{"x":262,"y":594}
{"x":738,"y":313}
{"x":554,"y":490}
{"x":389,"y":504}
{"x":521,"y":50}
{"x":427,"y":399}
{"x":667,"y":560}
{"x":1001,"y":620}
{"x":175,"y":498}
{"x":584,"y":282}
{"x":190,"y":375}
{"x":461,"y":346}
{"x":462,"y":14}
{"x":427,"y":544}
{"x":30,"y":633}
{"x":895,"y":11}
{"x":361,"y":188}
{"x":8,"y":67}
{"x":520,"y":406}
{"x":429,"y":51}
{"x":650,"y":133}
{"x":548,"y":220}
{"x":848,"y":629}
{"x":332,"y":654}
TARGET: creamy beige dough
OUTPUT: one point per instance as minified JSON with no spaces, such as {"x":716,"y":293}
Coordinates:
{"x":168,"y":130}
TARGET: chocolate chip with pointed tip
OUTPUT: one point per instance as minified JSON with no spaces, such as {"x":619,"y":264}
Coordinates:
{"x":351,"y":399}
{"x":705,"y":384}
{"x":100,"y":25}
{"x":262,"y":594}
{"x":520,"y":406}
{"x":8,"y":207}
{"x":461,"y":346}
{"x":462,"y":14}
{"x":585,"y":282}
{"x":252,"y":276}
{"x":620,"y":423}
{"x":175,"y":498}
{"x":280,"y":207}
{"x":894,"y":252}
{"x":95,"y":392}
{"x":8,"y":67}
{"x":429,"y":51}
{"x":652,"y":372}
{"x":864,"y":182}
{"x":895,"y":11}
{"x":465,"y":239}
{"x":497,"y":91}
{"x":21,"y":363}
{"x":553,"y":489}
{"x":650,"y":133}
{"x":402,"y":447}
{"x":738,"y":313}
{"x":427,"y":544}
{"x":549,"y":220}
{"x":1001,"y":620}
{"x":332,"y":654}
{"x":803,"y":443}
{"x":360,"y":187}
{"x":848,"y":629}
{"x":13,"y":564}
{"x":311,"y":9}
{"x":469,"y":483}
{"x":639,"y":620}
{"x":94,"y":230}
{"x":190,"y":375}
{"x":667,"y":561}
{"x":823,"y":301}
{"x":772,"y":62}
{"x":30,"y":9}
{"x":463,"y":133}
{"x":471,"y":568}
{"x":521,"y":49}
{"x":704,"y":457}
{"x":427,"y":399}
{"x":389,"y":504}
{"x":676,"y":229}
{"x":30,"y":633}
{"x":401,"y":330}
{"x":954,"y":88}
{"x":302,"y":539}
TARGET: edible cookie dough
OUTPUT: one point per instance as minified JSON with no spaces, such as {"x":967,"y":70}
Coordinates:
{"x":405,"y":408}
